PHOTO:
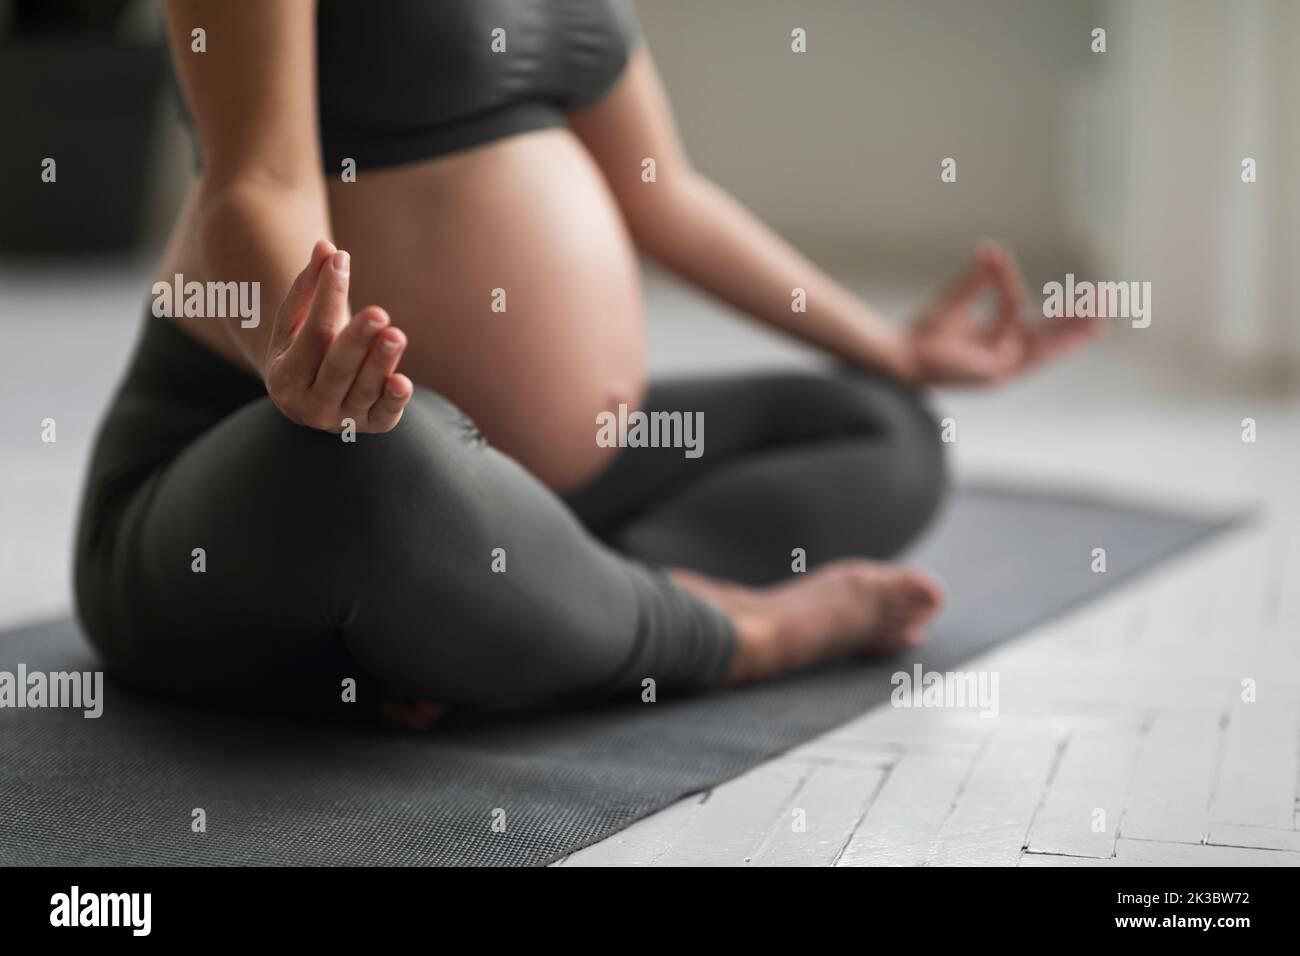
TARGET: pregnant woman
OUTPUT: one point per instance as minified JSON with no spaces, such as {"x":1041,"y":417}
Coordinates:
{"x":411,"y":495}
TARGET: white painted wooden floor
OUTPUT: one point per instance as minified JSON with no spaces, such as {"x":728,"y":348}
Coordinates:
{"x":1130,"y":706}
{"x":1122,"y":737}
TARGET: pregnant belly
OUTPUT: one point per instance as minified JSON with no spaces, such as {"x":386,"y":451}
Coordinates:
{"x":510,"y":270}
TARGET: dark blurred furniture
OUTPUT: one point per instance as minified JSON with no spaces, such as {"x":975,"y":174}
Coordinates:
{"x":76,"y":87}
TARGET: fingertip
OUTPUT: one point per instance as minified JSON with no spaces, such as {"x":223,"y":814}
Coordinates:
{"x":333,"y":280}
{"x":341,"y":263}
{"x":991,"y":252}
{"x":373,"y":316}
{"x":400,"y":387}
{"x":392,"y":340}
{"x":320,"y":254}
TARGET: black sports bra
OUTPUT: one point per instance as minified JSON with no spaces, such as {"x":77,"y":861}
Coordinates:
{"x":404,"y":80}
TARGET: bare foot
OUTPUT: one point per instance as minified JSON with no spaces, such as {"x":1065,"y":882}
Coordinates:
{"x":838,"y":610}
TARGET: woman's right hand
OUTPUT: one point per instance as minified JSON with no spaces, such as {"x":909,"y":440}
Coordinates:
{"x":951,"y":344}
{"x":323,"y":367}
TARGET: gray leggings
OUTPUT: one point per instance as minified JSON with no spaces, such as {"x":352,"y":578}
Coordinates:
{"x":226,"y":554}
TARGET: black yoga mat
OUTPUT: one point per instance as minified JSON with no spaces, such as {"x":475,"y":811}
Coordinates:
{"x":123,"y":788}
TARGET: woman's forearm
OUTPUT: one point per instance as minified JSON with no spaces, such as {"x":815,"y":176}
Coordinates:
{"x":262,"y":233}
{"x":702,"y":234}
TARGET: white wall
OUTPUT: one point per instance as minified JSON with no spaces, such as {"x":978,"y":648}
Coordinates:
{"x":840,"y":147}
{"x":1122,"y":165}
{"x":1191,"y":88}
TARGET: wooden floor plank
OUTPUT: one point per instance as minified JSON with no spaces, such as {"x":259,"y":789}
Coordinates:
{"x":730,"y":825}
{"x":1257,"y":773}
{"x":1055,"y":860}
{"x":644,"y":841}
{"x":834,"y":749}
{"x":1263,"y":838}
{"x":1170,"y":796}
{"x":821,"y":816}
{"x":904,"y":821}
{"x":1085,"y":802}
{"x":993,"y":813}
{"x":1159,"y":853}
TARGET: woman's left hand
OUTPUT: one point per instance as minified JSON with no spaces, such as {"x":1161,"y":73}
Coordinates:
{"x":951,"y":343}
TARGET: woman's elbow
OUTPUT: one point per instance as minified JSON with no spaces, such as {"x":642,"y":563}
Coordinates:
{"x":658,"y":211}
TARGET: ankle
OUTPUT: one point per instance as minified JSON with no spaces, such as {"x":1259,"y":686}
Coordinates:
{"x":758,"y":649}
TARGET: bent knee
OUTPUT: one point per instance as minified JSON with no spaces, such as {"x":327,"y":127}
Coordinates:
{"x":902,"y":421}
{"x":922,"y":461}
{"x":327,"y":477}
{"x":922,"y":444}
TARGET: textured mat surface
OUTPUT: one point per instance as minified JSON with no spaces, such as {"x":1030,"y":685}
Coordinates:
{"x":123,"y":788}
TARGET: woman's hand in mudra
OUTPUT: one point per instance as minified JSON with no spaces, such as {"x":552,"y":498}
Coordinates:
{"x":952,"y":343}
{"x":324,"y":368}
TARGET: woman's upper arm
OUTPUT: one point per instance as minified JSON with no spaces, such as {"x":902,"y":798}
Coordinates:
{"x":632,"y":123}
{"x":251,"y":89}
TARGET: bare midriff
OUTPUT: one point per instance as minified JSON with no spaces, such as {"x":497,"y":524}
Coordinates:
{"x":511,"y":272}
